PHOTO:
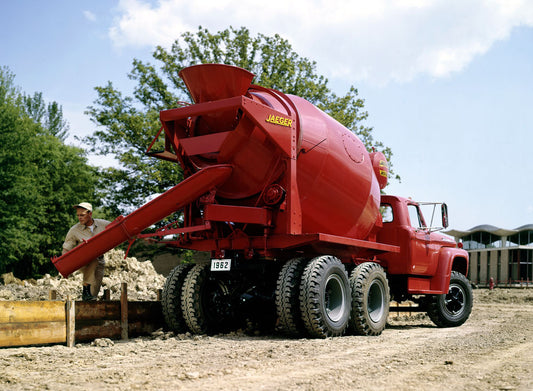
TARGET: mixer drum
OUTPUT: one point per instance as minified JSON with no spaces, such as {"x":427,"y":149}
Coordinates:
{"x":337,"y":185}
{"x":338,"y":189}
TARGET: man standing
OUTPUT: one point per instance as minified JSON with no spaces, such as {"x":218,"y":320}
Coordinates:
{"x":87,"y":227}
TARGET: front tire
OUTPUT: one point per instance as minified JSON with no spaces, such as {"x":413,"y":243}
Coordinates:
{"x":325,"y":297}
{"x":370,"y":299}
{"x":453,"y":308}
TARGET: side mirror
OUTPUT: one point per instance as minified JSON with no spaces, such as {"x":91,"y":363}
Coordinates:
{"x":444,"y":213}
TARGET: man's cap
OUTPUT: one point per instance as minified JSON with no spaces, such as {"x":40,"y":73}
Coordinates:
{"x":84,"y":205}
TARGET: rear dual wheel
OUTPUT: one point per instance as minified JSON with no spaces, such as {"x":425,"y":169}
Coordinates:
{"x":194,"y":301}
{"x":325,"y":297}
{"x":206,"y":303}
{"x":171,"y":298}
{"x":318,"y":299}
{"x":370,"y":299}
{"x":288,"y":297}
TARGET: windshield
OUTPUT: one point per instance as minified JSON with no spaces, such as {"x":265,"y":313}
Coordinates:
{"x":417,"y":221}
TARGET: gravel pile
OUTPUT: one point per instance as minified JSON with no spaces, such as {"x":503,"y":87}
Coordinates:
{"x":142,"y":279}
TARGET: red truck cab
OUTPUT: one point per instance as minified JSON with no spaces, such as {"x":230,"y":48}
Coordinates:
{"x":429,"y":263}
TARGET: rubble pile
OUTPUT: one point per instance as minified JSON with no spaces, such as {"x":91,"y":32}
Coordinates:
{"x":142,"y":279}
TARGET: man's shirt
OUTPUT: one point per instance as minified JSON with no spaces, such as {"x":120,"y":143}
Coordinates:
{"x":79,"y":232}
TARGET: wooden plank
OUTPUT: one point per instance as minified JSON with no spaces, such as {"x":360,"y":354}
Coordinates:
{"x":70,"y":311}
{"x":35,"y":333}
{"x":111,"y":310}
{"x":47,"y":322}
{"x":31,"y":311}
{"x":124,"y":310}
{"x":139,"y":328}
{"x":145,"y":310}
{"x":112,"y":329}
{"x":87,"y":310}
{"x":90,"y":330}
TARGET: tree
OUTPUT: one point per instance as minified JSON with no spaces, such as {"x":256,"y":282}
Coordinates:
{"x":41,"y":178}
{"x":50,"y":117}
{"x":128,"y":123}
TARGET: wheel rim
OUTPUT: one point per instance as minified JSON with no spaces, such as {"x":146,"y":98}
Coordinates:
{"x":376,"y":301}
{"x":335,"y":303}
{"x":216,"y":302}
{"x":454,"y":302}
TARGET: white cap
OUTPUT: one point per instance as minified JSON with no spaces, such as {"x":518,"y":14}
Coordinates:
{"x":84,"y":205}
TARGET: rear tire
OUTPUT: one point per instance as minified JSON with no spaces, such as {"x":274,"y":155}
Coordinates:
{"x":171,"y":298}
{"x":288,"y":297}
{"x":453,"y":308}
{"x":370,"y":299}
{"x":206,"y":302}
{"x":325,"y":297}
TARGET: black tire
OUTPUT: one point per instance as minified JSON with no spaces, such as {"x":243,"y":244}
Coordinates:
{"x":171,"y":298}
{"x":288,"y":297}
{"x":205,"y":302}
{"x":370,"y":299}
{"x":453,"y":308}
{"x":325,"y":297}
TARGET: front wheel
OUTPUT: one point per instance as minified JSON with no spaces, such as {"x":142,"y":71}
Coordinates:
{"x":453,"y":308}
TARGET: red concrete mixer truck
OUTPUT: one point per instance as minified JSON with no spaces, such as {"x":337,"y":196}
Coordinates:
{"x":288,"y":204}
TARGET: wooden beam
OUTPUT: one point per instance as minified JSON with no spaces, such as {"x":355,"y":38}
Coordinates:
{"x":32,"y":311}
{"x":124,"y":310}
{"x":47,"y":322}
{"x":34,"y":333}
{"x":99,"y":310}
{"x":70,"y":314}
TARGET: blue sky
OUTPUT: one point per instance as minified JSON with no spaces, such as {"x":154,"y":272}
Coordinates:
{"x":448,"y":84}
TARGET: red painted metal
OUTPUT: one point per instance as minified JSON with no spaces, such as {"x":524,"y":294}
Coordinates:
{"x":426,"y":256}
{"x":125,"y":228}
{"x":209,"y":82}
{"x":231,"y":213}
{"x":273,"y":138}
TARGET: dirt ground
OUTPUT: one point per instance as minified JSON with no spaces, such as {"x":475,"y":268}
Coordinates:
{"x":491,"y":351}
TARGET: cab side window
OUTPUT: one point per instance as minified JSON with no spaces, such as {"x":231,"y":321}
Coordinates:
{"x":386,"y":213}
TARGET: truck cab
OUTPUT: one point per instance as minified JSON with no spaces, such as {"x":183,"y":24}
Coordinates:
{"x":427,"y":258}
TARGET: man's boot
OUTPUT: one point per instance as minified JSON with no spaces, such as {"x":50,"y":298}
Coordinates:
{"x":86,"y":294}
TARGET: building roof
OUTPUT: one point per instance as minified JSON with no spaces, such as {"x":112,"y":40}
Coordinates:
{"x":490,"y":229}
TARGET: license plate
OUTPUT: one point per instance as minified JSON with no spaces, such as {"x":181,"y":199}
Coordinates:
{"x":220,"y":265}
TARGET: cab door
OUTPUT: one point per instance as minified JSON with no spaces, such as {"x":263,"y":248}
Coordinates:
{"x":423,"y":253}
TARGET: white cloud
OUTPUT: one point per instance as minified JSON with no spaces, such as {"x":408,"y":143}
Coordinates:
{"x":89,"y":16}
{"x":378,"y":41}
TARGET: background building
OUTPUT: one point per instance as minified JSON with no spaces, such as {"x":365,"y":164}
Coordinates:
{"x":506,"y":255}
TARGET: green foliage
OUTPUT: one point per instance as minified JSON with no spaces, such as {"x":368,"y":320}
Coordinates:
{"x":128,"y":123}
{"x":41,"y":179}
{"x":50,"y":117}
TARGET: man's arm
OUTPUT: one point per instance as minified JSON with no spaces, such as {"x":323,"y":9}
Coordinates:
{"x":70,"y":241}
